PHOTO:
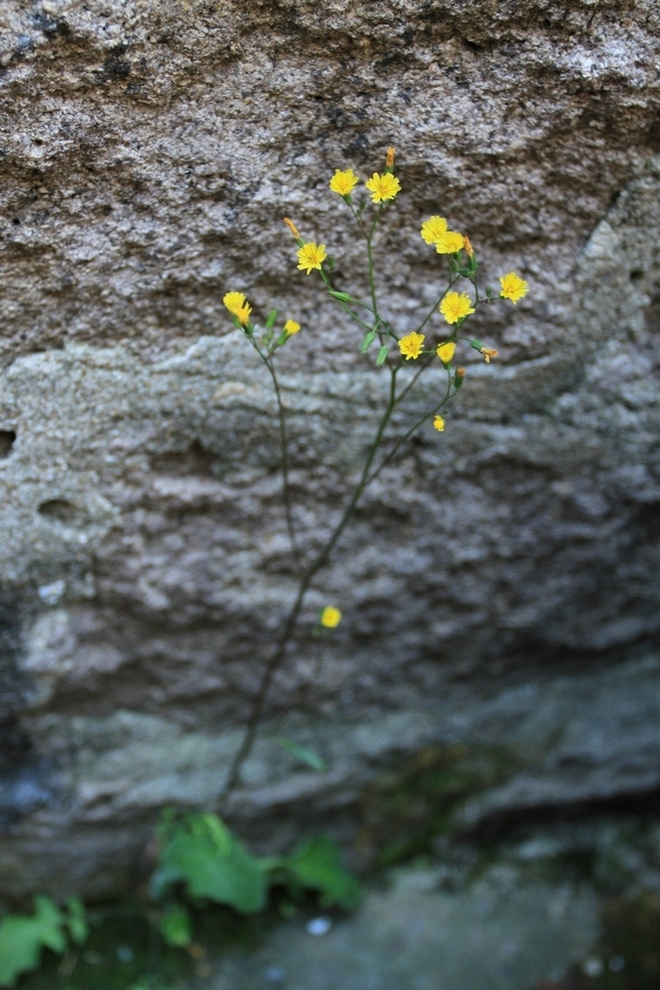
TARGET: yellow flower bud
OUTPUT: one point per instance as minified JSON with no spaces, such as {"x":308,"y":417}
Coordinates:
{"x":292,"y":227}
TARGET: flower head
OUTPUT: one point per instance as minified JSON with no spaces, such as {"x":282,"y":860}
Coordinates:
{"x":389,"y":158}
{"x":311,"y":256}
{"x":411,"y":345}
{"x":344,"y":182}
{"x":450,"y":242}
{"x":513,"y":287}
{"x":439,"y":424}
{"x":456,"y":306}
{"x":433,"y":229}
{"x":446,"y":351}
{"x":383,"y":187}
{"x":291,"y":327}
{"x":330,"y":617}
{"x":238,"y":306}
{"x":469,"y":250}
{"x":488,"y":353}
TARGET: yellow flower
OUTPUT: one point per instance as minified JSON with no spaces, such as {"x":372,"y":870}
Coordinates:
{"x":469,"y":250}
{"x":433,"y":229}
{"x":330,"y":617}
{"x":311,"y":256}
{"x":238,"y":306}
{"x":449,"y":243}
{"x":513,"y":287}
{"x":488,"y":353}
{"x":456,"y":306}
{"x":446,"y":351}
{"x":344,"y":182}
{"x":291,"y":327}
{"x":439,"y":424}
{"x":411,"y":345}
{"x":383,"y":187}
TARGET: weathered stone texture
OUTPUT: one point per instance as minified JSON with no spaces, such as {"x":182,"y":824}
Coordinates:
{"x":493,"y":574}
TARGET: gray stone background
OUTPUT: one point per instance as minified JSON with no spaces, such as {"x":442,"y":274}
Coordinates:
{"x":500,"y":583}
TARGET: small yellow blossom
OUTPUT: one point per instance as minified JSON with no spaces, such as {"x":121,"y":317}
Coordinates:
{"x":389,"y":159}
{"x":456,"y":306}
{"x":449,"y":243}
{"x":433,"y":229}
{"x":513,"y":287}
{"x":311,"y":256}
{"x":292,"y":227}
{"x":291,"y":327}
{"x":383,"y":187}
{"x":411,"y":345}
{"x":488,"y":353}
{"x":439,"y":424}
{"x":446,"y":351}
{"x":344,"y":182}
{"x":330,"y":617}
{"x":469,"y":250}
{"x":238,"y":306}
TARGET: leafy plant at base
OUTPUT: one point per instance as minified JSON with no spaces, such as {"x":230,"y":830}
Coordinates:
{"x":315,"y":865}
{"x":22,"y":937}
{"x":200,"y":857}
{"x":200,"y":852}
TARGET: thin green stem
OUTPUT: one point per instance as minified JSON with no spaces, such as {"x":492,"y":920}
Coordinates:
{"x":370,"y":257}
{"x":284,"y":447}
{"x":289,"y":628}
{"x":406,"y":436}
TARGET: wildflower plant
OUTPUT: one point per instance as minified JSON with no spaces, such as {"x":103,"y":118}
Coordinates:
{"x":430,"y":347}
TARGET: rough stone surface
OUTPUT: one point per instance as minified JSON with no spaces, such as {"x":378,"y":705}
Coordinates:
{"x":500,"y":934}
{"x":500,"y":583}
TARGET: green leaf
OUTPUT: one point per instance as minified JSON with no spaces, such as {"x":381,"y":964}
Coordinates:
{"x":23,"y":936}
{"x":305,"y":755}
{"x":76,"y":921}
{"x":271,"y":318}
{"x":367,"y":341}
{"x":201,"y":853}
{"x":175,"y":926}
{"x":316,"y":865}
{"x":382,"y":355}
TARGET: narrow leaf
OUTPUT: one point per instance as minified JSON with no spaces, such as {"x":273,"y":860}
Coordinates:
{"x":304,"y":754}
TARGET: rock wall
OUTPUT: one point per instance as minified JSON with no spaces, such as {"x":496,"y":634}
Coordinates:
{"x":500,"y":583}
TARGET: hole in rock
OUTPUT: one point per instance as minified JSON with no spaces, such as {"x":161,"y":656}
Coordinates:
{"x":60,"y":510}
{"x":636,"y":276}
{"x":7,"y":438}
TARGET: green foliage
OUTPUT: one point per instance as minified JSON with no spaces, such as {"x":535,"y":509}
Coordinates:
{"x":175,"y":925}
{"x":304,"y":754}
{"x":22,"y":937}
{"x":200,"y":852}
{"x":316,"y":865}
{"x":200,"y":858}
